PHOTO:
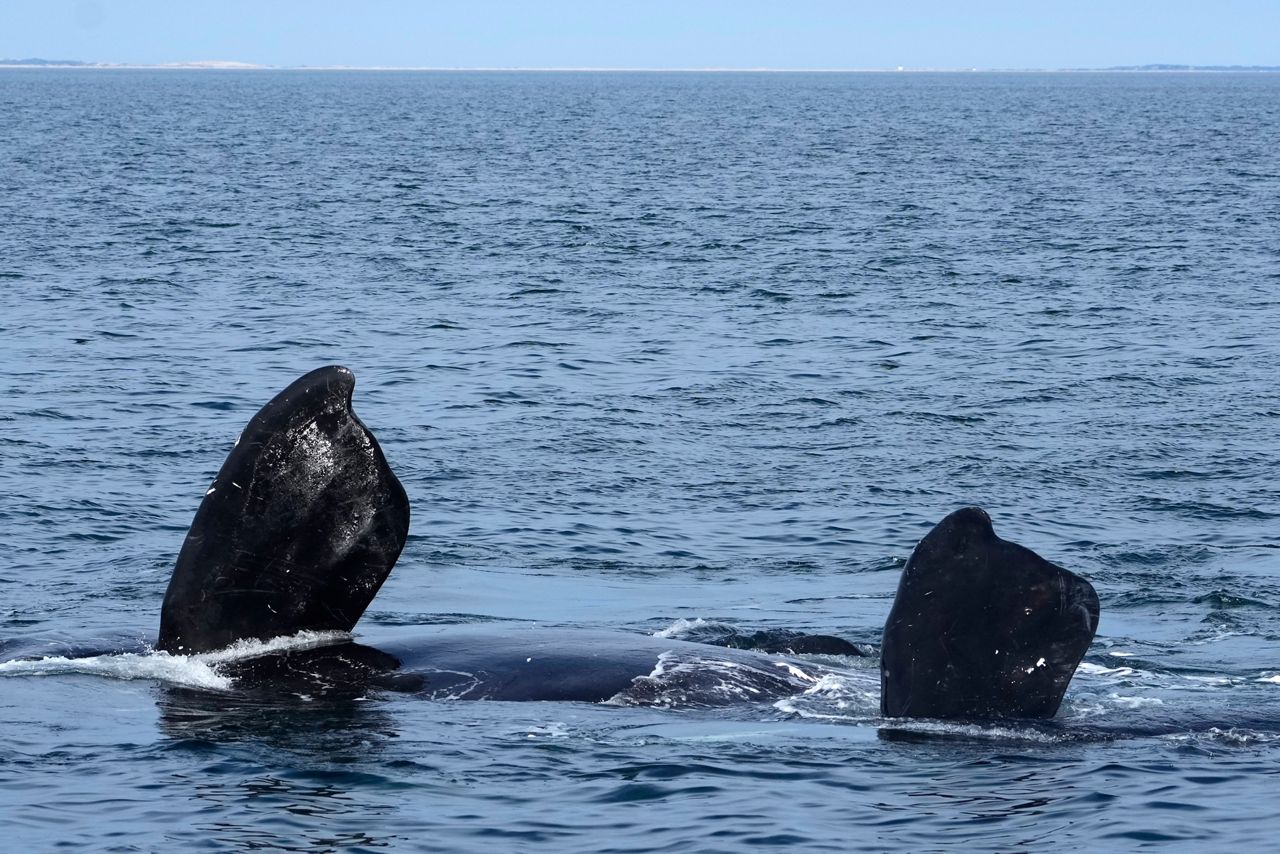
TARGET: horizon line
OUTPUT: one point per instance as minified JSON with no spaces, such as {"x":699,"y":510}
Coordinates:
{"x":231,"y":65}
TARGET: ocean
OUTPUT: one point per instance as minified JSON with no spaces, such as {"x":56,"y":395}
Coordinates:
{"x":650,"y":352}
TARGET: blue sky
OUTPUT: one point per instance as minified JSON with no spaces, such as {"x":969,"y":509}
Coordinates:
{"x":649,"y":34}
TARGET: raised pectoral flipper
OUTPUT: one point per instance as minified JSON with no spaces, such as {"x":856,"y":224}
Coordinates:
{"x":982,"y":627}
{"x":298,"y":531}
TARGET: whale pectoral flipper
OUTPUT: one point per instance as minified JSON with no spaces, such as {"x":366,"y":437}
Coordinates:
{"x":300,"y":528}
{"x":982,"y":627}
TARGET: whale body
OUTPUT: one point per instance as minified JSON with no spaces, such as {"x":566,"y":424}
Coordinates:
{"x":306,"y":519}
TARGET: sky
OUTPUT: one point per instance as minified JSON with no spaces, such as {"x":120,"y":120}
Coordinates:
{"x":783,"y":34}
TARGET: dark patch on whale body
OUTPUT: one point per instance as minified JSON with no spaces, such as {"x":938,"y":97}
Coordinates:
{"x":782,"y":641}
{"x":300,"y":528}
{"x":982,"y":627}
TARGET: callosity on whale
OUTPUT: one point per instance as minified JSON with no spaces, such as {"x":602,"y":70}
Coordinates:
{"x":982,"y":627}
{"x":306,"y":519}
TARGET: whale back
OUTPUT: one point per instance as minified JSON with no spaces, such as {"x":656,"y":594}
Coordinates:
{"x":982,"y":627}
{"x":299,"y":529}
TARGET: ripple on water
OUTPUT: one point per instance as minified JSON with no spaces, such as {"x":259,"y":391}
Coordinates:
{"x":646,"y":347}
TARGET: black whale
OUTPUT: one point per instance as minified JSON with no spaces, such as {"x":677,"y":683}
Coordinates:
{"x":305,"y":521}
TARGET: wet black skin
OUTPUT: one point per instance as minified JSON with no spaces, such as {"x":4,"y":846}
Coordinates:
{"x":300,"y":528}
{"x":982,"y":627}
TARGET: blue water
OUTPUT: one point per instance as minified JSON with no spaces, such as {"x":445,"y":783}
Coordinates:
{"x":649,"y":349}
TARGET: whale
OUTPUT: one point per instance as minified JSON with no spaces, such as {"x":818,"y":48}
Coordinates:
{"x":305,"y":520}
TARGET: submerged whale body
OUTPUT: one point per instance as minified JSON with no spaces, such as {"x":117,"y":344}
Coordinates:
{"x":305,"y":521}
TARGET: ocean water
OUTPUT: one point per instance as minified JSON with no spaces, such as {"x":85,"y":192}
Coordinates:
{"x":649,"y":351}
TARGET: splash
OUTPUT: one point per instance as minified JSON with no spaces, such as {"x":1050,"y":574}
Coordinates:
{"x":683,"y":627}
{"x":191,"y":671}
{"x":246,"y":649}
{"x":182,"y":670}
{"x":835,"y":697}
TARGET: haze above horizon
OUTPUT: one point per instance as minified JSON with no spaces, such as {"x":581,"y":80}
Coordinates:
{"x":748,"y":34}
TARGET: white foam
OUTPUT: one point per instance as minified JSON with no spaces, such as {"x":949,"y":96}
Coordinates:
{"x":790,"y":708}
{"x":1099,"y":670}
{"x":193,"y":671}
{"x":1231,"y":736}
{"x":795,"y":672}
{"x":833,"y":697}
{"x":1211,"y":681}
{"x":660,"y":666}
{"x":701,"y":679}
{"x":241,"y":650}
{"x":160,"y":666}
{"x":994,"y":732}
{"x":1135,"y":702}
{"x":680,"y":628}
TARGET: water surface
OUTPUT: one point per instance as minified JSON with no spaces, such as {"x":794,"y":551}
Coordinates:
{"x":647,"y":348}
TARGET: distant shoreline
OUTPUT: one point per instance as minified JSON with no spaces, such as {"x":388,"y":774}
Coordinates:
{"x":38,"y":64}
